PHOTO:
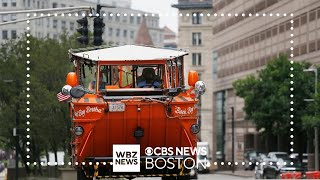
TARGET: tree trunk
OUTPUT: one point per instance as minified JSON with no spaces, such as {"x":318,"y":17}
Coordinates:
{"x":39,"y":166}
{"x":55,"y":149}
{"x":47,"y":153}
{"x":278,"y":142}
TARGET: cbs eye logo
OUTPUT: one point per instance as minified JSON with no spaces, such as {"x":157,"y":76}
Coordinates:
{"x":126,"y":158}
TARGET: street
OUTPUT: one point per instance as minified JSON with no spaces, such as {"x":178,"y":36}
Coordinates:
{"x":200,"y":177}
{"x":207,"y":177}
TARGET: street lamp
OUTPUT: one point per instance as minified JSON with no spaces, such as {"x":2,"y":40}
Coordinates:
{"x":316,"y":140}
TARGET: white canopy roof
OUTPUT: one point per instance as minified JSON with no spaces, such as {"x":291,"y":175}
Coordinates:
{"x":130,"y":52}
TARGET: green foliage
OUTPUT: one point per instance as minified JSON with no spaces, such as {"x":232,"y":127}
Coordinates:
{"x":267,"y":95}
{"x":49,"y":119}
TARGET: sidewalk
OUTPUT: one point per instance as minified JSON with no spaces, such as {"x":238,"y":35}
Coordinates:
{"x":240,"y":173}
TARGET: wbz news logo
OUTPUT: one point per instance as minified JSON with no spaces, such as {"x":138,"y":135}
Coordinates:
{"x":126,"y":158}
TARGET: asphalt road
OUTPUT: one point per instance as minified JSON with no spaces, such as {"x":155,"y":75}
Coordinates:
{"x":207,"y":177}
{"x":200,"y":177}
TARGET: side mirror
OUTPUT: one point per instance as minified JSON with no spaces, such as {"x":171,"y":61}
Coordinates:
{"x":193,"y":77}
{"x":200,"y":88}
{"x":77,"y":92}
{"x":72,"y":79}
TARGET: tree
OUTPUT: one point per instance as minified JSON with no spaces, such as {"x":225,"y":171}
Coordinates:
{"x":49,"y":119}
{"x":267,"y":98}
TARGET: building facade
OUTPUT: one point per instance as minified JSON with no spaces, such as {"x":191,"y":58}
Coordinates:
{"x":242,"y":45}
{"x":195,"y":29}
{"x":239,"y":45}
{"x":122,"y":23}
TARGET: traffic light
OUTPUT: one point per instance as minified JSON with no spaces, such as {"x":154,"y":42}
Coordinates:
{"x":83,"y":30}
{"x":98,"y":26}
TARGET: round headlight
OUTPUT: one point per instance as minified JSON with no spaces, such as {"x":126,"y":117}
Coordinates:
{"x":66,"y":90}
{"x":195,"y":128}
{"x":200,"y":87}
{"x":78,"y":130}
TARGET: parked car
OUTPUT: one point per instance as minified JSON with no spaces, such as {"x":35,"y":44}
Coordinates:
{"x":273,"y":170}
{"x":274,"y":156}
{"x":258,"y":169}
{"x":304,"y":158}
{"x":250,"y":156}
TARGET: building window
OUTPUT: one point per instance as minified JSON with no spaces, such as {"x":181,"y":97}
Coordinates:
{"x":29,"y":3}
{"x":55,"y":36}
{"x":118,"y":33}
{"x":200,"y":78}
{"x":215,"y":64}
{"x":48,"y":22}
{"x":4,"y":34}
{"x":125,"y":33}
{"x":196,"y":59}
{"x":196,"y":38}
{"x":131,"y":19}
{"x":13,"y":17}
{"x":138,"y":20}
{"x":124,"y":19}
{"x":71,"y":26}
{"x":196,"y":18}
{"x":55,"y":23}
{"x":4,"y":18}
{"x":63,"y":5}
{"x":118,"y":17}
{"x":54,"y":5}
{"x":63,"y":25}
{"x":220,"y":123}
{"x":4,"y":3}
{"x":13,"y":3}
{"x":110,"y":32}
{"x":110,"y":15}
{"x":131,"y":34}
{"x":38,"y":4}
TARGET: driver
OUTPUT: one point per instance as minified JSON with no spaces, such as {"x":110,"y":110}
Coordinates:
{"x":149,"y":79}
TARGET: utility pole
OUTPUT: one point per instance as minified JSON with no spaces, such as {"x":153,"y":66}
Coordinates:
{"x":232,"y":137}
